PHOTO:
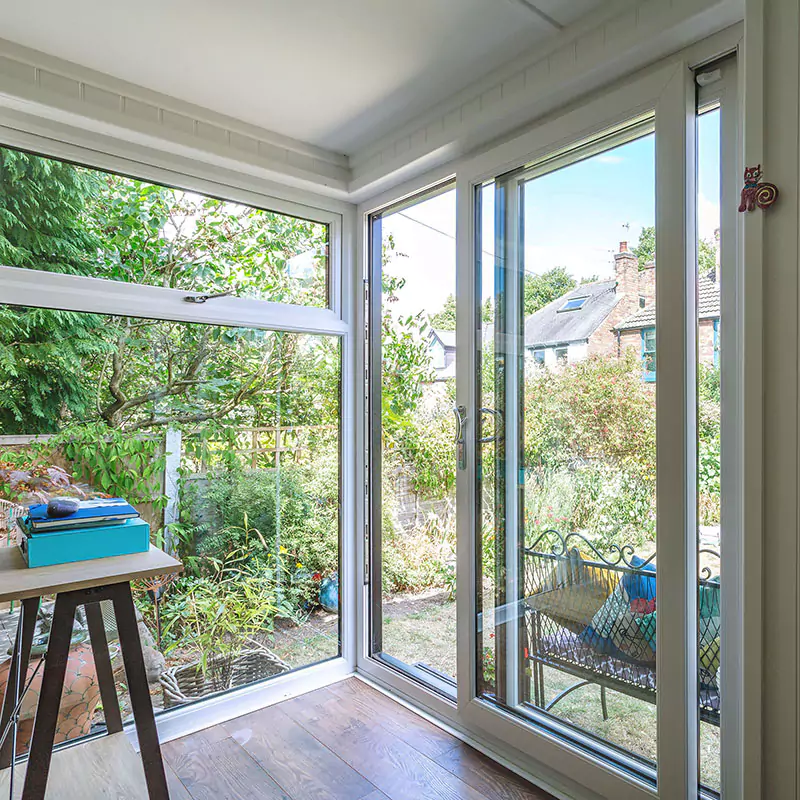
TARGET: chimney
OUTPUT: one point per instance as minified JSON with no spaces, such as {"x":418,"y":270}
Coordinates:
{"x":626,"y":268}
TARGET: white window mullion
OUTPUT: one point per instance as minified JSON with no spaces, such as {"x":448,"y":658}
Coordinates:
{"x":676,"y":341}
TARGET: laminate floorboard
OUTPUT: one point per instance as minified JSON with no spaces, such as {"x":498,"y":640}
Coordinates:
{"x":212,"y":766}
{"x":347,"y":741}
{"x":413,"y":729}
{"x":493,"y":780}
{"x":295,"y":759}
{"x":395,"y":767}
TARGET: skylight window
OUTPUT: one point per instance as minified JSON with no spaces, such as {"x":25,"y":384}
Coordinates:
{"x":573,"y":304}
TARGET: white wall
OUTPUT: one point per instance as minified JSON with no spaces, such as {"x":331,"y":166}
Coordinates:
{"x":577,"y":351}
{"x":780,"y":157}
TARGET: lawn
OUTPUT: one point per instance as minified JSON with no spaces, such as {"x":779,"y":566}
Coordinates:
{"x":422,"y":627}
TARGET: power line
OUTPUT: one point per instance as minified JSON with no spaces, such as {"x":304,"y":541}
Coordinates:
{"x":436,"y":230}
{"x":450,"y":236}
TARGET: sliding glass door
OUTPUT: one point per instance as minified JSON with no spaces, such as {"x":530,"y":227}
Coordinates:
{"x":568,"y":376}
{"x":590,"y":617}
{"x":411,"y":433}
{"x":566,"y":445}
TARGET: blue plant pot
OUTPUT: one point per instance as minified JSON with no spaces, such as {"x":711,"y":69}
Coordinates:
{"x":329,"y":593}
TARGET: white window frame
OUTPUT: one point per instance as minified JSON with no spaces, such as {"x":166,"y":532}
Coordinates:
{"x":549,"y":764}
{"x":34,"y":288}
{"x":671,"y":92}
{"x":665,"y":92}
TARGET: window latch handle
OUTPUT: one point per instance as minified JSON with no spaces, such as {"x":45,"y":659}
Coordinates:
{"x":201,"y":298}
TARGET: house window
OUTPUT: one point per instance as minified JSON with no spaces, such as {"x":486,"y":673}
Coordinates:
{"x":538,"y":358}
{"x":649,"y":354}
{"x":642,"y":302}
{"x":561,"y":355}
{"x":716,"y":342}
{"x":573,"y":304}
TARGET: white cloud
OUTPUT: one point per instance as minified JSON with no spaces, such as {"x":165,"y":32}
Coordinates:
{"x":708,"y":214}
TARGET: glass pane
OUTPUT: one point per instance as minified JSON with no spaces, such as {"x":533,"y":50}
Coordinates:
{"x":110,"y":226}
{"x":709,"y":466}
{"x":416,"y":611}
{"x":566,"y":461}
{"x":226,"y":440}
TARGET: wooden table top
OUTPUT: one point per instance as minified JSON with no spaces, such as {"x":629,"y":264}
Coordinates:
{"x":18,"y":581}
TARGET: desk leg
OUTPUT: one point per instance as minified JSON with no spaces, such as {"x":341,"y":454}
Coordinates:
{"x":102,"y":663}
{"x":27,"y":620}
{"x":141,"y":704}
{"x":44,"y":728}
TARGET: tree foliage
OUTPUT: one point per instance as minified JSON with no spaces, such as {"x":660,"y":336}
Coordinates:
{"x":539,"y":289}
{"x":160,"y":236}
{"x":645,"y":250}
{"x":405,"y":360}
{"x":43,"y":207}
{"x":58,"y":368}
{"x":544,"y":287}
{"x":445,"y":318}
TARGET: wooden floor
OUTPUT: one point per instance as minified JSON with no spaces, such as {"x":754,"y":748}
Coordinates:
{"x":345,"y":742}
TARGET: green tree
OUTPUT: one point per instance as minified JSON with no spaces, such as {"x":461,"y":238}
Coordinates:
{"x":445,"y":318}
{"x":43,"y":353}
{"x":543,"y":288}
{"x":58,"y":368}
{"x":645,"y":250}
{"x":43,"y":214}
{"x":540,"y":289}
{"x":160,"y":236}
{"x":406,"y":361}
{"x":706,"y":256}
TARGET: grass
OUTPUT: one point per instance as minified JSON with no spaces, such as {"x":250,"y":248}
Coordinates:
{"x":316,"y":639}
{"x":422,"y":627}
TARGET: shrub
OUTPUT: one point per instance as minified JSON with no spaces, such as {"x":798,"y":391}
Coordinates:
{"x":230,"y":608}
{"x":219,"y":510}
{"x":423,"y":445}
{"x":596,"y":409}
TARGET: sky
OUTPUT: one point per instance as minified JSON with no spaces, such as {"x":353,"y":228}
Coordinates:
{"x":575,"y":217}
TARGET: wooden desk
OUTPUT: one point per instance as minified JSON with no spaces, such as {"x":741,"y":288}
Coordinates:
{"x":81,"y":583}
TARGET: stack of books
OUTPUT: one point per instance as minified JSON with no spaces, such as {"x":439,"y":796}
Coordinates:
{"x":98,"y":529}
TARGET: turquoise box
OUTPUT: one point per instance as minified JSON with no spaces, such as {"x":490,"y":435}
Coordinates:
{"x":43,"y":549}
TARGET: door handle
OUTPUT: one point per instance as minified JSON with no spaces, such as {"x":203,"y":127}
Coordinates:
{"x":498,"y":426}
{"x":461,"y":422}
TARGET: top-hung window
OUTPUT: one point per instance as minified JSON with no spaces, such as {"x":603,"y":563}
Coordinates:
{"x":157,"y":235}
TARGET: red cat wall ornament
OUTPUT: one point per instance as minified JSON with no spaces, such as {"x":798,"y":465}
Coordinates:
{"x":757,"y":192}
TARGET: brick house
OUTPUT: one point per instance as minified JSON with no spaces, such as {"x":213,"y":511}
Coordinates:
{"x":608,"y":316}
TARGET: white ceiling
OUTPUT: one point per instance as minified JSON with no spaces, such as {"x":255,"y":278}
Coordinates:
{"x":334,"y":74}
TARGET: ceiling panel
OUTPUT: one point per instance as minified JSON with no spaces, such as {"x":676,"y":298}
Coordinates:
{"x":337,"y":75}
{"x":565,"y":13}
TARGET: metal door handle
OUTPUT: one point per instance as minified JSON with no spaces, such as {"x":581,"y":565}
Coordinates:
{"x":460,"y":413}
{"x":461,"y":421}
{"x":498,"y":426}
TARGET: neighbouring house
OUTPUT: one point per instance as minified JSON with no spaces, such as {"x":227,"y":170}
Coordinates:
{"x":442,"y":348}
{"x":639,"y":330}
{"x":604,"y":317}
